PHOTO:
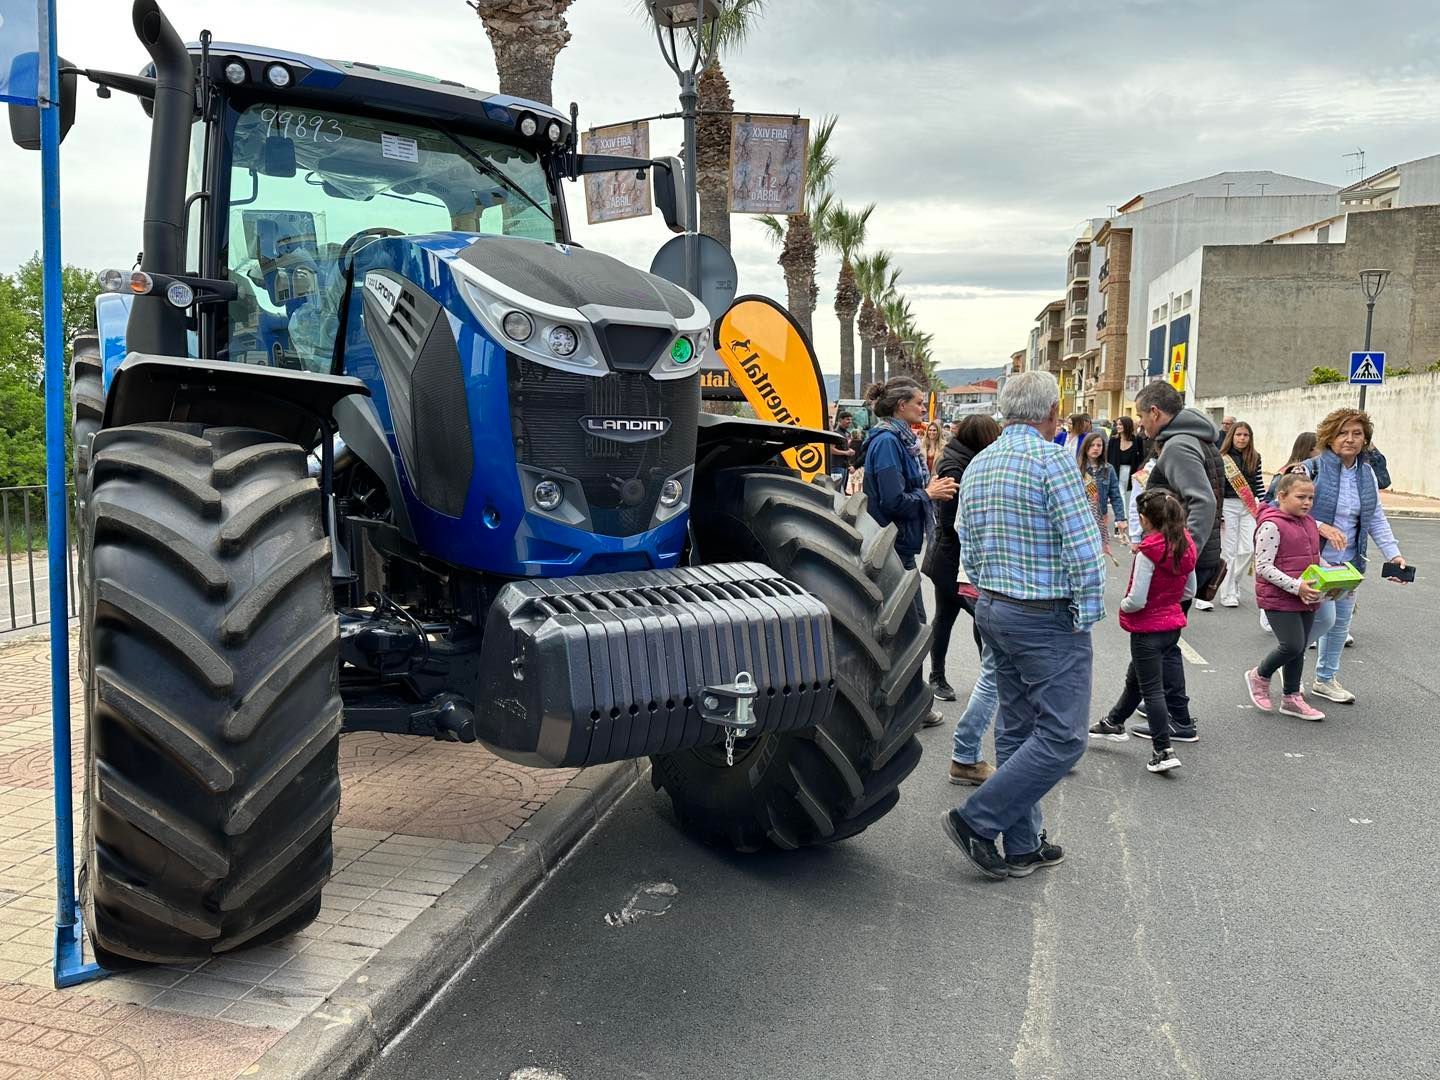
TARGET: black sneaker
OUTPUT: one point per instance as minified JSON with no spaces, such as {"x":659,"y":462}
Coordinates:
{"x":1140,"y":711}
{"x":1163,"y":761}
{"x":976,"y":848}
{"x":1047,"y":854}
{"x":1177,"y":733}
{"x":1108,"y":729}
{"x":942,"y":690}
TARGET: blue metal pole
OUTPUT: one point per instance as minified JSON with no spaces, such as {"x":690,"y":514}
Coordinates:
{"x":70,"y":967}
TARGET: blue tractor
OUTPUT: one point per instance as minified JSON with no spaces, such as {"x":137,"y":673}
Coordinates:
{"x":366,"y":443}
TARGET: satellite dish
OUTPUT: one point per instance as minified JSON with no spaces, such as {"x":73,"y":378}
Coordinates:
{"x":718,"y":277}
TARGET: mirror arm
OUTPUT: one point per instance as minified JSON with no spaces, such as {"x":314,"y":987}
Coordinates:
{"x":586,"y":164}
{"x":139,"y":85}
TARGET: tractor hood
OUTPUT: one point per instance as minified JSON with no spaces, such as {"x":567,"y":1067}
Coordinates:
{"x":621,"y":318}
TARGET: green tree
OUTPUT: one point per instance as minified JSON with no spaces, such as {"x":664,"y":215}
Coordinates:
{"x":1319,"y":376}
{"x":796,"y":235}
{"x":846,"y":236}
{"x":22,"y":399}
{"x":877,"y":277}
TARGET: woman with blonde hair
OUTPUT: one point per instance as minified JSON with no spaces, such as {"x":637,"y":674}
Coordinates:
{"x":933,"y":445}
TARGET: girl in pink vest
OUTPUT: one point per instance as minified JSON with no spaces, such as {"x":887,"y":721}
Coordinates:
{"x":1161,"y":579}
{"x":1286,"y":542}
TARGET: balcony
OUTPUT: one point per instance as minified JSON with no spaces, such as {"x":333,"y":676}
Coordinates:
{"x":1101,"y":320}
{"x":1079,"y":309}
{"x":1079,"y":271}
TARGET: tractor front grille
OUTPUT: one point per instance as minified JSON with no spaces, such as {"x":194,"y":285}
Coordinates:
{"x":546,"y":409}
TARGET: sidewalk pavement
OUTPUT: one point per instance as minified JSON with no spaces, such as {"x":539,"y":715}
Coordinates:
{"x":434,"y":845}
{"x":1400,"y":505}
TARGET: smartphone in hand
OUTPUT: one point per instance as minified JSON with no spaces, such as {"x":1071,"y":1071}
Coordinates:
{"x":1399,"y":573}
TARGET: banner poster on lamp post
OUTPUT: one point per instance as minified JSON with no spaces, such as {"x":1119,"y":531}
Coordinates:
{"x":615,"y":196}
{"x":767,"y":164}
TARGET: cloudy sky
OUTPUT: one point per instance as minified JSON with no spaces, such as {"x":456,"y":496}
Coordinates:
{"x":985,"y":132}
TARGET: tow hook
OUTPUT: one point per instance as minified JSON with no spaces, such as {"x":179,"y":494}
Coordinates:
{"x":731,"y":706}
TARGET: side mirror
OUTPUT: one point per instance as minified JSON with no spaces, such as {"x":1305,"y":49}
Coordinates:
{"x":279,"y":157}
{"x":25,"y":119}
{"x":668,"y":176}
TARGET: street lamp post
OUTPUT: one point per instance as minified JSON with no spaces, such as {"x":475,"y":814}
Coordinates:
{"x":698,"y":18}
{"x":1373,"y":282}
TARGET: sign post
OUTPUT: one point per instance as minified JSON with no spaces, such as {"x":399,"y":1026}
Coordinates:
{"x":1367,"y":368}
{"x":27,"y":30}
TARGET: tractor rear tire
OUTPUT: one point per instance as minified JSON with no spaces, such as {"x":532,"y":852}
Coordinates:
{"x":213,"y":710}
{"x":87,"y":410}
{"x":832,"y":781}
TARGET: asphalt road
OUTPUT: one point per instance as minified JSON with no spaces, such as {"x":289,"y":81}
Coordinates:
{"x":1267,"y":911}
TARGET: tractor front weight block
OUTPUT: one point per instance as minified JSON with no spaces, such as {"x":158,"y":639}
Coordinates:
{"x":584,"y":670}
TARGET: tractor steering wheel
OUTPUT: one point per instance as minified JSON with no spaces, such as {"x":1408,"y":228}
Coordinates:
{"x":374,"y":232}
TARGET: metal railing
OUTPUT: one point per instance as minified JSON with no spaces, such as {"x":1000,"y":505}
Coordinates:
{"x":1079,"y":308}
{"x":1105,"y":270}
{"x":1079,"y":270}
{"x":25,"y":597}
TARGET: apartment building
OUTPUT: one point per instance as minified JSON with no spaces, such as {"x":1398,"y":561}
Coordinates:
{"x":1156,"y":229}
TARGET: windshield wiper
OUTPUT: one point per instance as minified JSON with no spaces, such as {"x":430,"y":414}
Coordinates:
{"x":495,"y":174}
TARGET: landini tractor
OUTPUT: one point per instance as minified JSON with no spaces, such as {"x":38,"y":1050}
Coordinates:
{"x":368,"y":444}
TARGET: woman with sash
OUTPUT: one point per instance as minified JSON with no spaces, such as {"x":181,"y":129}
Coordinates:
{"x":1244,"y":491}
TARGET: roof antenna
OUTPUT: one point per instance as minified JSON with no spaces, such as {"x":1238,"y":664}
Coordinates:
{"x":1359,"y":168}
{"x":1227,"y":187}
{"x":1262,"y":187}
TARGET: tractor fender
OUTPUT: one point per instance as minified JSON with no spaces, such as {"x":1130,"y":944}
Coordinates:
{"x":293,"y":405}
{"x":359,"y":423}
{"x":738,"y":442}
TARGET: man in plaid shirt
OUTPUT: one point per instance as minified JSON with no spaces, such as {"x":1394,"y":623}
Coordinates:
{"x":1030,"y":544}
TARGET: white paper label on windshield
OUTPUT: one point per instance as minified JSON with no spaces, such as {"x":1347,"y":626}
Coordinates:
{"x":399,"y":147}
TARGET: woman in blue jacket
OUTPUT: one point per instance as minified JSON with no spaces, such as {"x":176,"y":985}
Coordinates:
{"x":898,"y":487}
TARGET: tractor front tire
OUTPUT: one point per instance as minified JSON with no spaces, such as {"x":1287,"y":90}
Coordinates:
{"x":834,"y":780}
{"x":213,"y":710}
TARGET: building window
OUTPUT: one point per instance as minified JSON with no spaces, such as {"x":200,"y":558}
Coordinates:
{"x":1322,"y":234}
{"x":1189,"y":295}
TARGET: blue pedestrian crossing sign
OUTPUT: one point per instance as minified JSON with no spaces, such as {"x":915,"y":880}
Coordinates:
{"x":1367,"y":368}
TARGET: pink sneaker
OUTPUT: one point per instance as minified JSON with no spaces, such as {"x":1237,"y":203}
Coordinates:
{"x":1259,"y":690}
{"x":1296,"y":705}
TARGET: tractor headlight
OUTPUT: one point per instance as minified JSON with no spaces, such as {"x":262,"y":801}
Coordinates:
{"x":517,"y":326}
{"x":548,"y":495}
{"x":235,"y":73}
{"x":529,"y":126}
{"x":552,"y":131}
{"x":111,"y":280}
{"x":562,"y":340}
{"x":278,"y":76}
{"x":180,"y":294}
{"x":672,"y":492}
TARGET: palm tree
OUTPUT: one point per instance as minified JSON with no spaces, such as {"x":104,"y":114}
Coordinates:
{"x":527,"y":36}
{"x":877,"y":278}
{"x":712,"y":127}
{"x":899,"y":321}
{"x":796,"y":235}
{"x":845,"y":235}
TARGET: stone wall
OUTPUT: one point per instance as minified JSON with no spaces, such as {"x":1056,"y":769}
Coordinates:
{"x":1406,"y":412}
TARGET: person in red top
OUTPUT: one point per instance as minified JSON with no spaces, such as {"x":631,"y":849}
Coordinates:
{"x":1161,"y":579}
{"x":1287,"y":541}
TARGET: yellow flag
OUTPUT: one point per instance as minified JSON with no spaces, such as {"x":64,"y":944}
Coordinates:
{"x":775,"y":368}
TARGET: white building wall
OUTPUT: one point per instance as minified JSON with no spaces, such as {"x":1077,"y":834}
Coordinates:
{"x":1333,"y":232}
{"x":1177,"y":292}
{"x":1404,"y":412}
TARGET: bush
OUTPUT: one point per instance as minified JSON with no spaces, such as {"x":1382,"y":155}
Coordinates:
{"x":1399,"y":371}
{"x":1319,"y":376}
{"x":1434,"y":368}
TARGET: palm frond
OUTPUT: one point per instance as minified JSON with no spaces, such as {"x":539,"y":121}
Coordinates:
{"x":774,"y":227}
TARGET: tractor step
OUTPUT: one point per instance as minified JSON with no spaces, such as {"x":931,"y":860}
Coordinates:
{"x":584,"y":670}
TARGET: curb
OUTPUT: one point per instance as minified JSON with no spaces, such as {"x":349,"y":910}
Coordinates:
{"x":372,"y":1006}
{"x":1428,"y":515}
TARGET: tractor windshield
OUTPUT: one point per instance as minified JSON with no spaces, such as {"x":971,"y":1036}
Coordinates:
{"x":308,"y":188}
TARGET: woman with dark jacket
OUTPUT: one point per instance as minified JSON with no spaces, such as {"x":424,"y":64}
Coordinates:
{"x":1125,"y":452}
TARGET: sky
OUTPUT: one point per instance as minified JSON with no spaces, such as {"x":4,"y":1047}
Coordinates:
{"x":984,"y":133}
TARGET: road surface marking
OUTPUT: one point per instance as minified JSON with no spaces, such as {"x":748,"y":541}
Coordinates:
{"x":1188,"y":651}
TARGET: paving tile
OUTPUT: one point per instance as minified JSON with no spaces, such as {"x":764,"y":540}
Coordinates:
{"x":340,"y":950}
{"x":191,"y":1004}
{"x":305,"y":982}
{"x":375,"y":922}
{"x":266,"y":994}
{"x":212,"y":986}
{"x":258,"y":1015}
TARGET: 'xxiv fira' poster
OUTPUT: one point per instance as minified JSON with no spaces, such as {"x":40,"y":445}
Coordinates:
{"x":767,"y":164}
{"x":615,"y":196}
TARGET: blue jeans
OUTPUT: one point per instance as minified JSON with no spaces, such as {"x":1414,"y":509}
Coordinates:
{"x":1332,"y":624}
{"x":979,"y":711}
{"x":1042,"y":669}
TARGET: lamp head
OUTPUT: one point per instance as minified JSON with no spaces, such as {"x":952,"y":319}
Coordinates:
{"x":683,"y":14}
{"x":1373,"y":282}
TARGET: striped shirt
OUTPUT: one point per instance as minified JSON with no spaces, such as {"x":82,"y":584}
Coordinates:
{"x":1026,"y":529}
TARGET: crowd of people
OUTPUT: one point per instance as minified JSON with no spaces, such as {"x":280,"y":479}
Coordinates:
{"x":1014,"y":523}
